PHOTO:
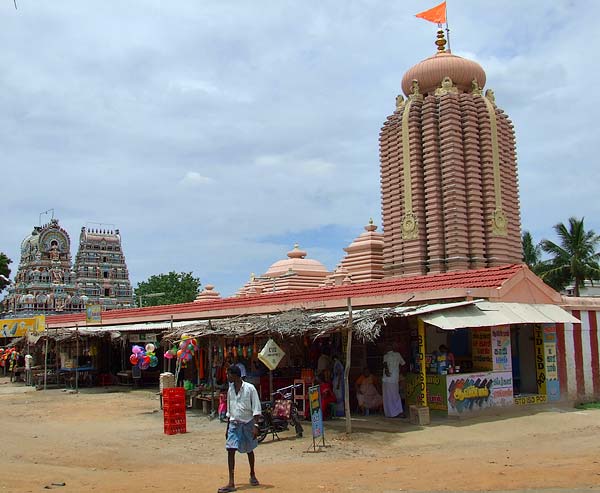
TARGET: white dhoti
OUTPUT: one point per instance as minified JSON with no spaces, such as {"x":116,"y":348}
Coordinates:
{"x":392,"y":403}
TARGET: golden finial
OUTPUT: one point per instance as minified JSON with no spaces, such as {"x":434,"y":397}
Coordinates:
{"x":441,"y":41}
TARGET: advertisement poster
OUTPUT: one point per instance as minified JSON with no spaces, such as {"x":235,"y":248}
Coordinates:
{"x":476,"y":391}
{"x":501,"y":354}
{"x":93,"y":314}
{"x":481,"y":343}
{"x":540,"y":359}
{"x":552,"y":383}
{"x":18,"y":327}
{"x":316,"y":415}
{"x":422,"y":389}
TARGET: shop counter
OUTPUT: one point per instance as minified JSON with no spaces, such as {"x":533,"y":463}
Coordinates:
{"x":460,"y":394}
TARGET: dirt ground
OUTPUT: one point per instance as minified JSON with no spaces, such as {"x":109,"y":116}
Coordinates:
{"x":112,"y":440}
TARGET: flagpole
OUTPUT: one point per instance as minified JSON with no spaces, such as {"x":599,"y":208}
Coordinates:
{"x":448,"y":30}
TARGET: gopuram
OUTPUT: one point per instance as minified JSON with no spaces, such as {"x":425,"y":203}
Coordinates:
{"x":101,"y":270}
{"x":44,"y":282}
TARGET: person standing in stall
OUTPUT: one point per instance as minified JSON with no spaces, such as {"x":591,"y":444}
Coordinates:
{"x":243,"y":408}
{"x":392,"y":402}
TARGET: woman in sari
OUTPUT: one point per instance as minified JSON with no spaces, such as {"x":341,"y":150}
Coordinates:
{"x":338,"y":385}
{"x":367,"y":395}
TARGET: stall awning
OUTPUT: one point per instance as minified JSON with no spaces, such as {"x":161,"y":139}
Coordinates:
{"x":487,"y":314}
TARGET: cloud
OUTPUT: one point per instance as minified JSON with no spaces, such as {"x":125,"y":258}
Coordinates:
{"x":131,"y":113}
{"x":194,"y":179}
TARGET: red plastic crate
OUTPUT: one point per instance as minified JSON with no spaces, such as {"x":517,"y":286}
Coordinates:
{"x":174,"y":392}
{"x":174,"y":429}
{"x":175,"y":419}
{"x":169,"y":406}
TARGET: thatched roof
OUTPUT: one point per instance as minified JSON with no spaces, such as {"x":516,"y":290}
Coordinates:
{"x":294,"y":323}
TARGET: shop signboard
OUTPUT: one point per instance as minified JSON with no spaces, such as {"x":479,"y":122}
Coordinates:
{"x":540,"y":359}
{"x":422,"y":388}
{"x":501,"y":354}
{"x":271,"y":355}
{"x":523,"y":400}
{"x":144,"y":337}
{"x":316,"y":414}
{"x":436,"y":392}
{"x":18,"y":327}
{"x":93,"y":314}
{"x":552,"y":382}
{"x":481,"y":345}
{"x":476,"y":391}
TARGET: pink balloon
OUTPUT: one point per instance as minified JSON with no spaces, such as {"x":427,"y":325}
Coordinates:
{"x":168,"y":355}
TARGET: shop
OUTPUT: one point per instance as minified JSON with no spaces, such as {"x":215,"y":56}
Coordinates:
{"x":460,"y":367}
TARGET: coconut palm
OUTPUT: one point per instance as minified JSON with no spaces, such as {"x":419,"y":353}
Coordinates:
{"x":575,"y":259}
{"x":532,"y":254}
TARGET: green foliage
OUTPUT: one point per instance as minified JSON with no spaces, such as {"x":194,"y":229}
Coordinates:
{"x":588,"y":405}
{"x":574,"y":260}
{"x":178,"y":287}
{"x":532,"y":254}
{"x":4,"y":270}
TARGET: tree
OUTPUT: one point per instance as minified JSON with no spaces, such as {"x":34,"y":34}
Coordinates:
{"x":178,"y":287}
{"x":575,"y":260}
{"x":4,"y":270}
{"x":532,"y":254}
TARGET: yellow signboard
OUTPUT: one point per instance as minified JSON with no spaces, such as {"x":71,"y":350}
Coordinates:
{"x":540,"y":359}
{"x":271,"y":354}
{"x":18,"y":327}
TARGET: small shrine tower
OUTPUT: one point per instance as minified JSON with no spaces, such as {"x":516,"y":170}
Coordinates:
{"x":44,"y":282}
{"x":449,"y":185}
{"x":101,"y":269}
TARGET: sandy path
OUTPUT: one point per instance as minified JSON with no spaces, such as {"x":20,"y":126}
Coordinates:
{"x":113,"y":441}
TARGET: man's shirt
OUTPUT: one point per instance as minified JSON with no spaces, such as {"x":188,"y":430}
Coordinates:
{"x":244,"y":405}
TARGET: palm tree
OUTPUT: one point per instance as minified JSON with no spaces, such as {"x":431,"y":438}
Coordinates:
{"x":575,"y":259}
{"x":532,"y":254}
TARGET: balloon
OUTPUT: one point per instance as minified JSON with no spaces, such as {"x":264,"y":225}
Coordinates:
{"x":168,"y":355}
{"x":144,"y":365}
{"x":179,"y":353}
{"x":191,"y":347}
{"x":150,"y":347}
{"x":136,"y":349}
{"x":133,"y":359}
{"x":153,"y":364}
{"x":146,"y":359}
{"x":182,"y":345}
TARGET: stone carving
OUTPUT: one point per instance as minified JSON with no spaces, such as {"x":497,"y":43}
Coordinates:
{"x":490,"y":96}
{"x":416,"y":91}
{"x":399,"y":102}
{"x":475,"y":89}
{"x":409,"y":227}
{"x":499,"y":223}
{"x":447,"y":87}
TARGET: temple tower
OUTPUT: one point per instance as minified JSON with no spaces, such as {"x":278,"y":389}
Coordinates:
{"x":101,"y":269}
{"x":448,"y":172}
{"x":44,"y":282}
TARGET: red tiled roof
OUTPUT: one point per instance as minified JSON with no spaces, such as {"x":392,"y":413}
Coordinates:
{"x":492,"y":277}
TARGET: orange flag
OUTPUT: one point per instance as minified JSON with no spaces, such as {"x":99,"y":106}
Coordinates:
{"x":436,"y":14}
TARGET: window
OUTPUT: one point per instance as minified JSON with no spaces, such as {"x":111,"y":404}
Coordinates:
{"x":105,"y":274}
{"x":106,"y":291}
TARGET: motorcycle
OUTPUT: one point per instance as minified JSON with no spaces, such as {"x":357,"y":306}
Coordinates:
{"x":279,"y":413}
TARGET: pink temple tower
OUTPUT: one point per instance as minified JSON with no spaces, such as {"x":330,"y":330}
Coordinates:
{"x":449,"y":182}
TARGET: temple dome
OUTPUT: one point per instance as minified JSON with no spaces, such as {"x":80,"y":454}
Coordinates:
{"x":431,"y":71}
{"x":296,"y":262}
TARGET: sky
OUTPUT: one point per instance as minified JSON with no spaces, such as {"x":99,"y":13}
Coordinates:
{"x":215,"y":134}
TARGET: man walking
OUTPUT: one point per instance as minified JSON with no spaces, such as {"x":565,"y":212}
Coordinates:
{"x":392,"y":402}
{"x":243,"y":407}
